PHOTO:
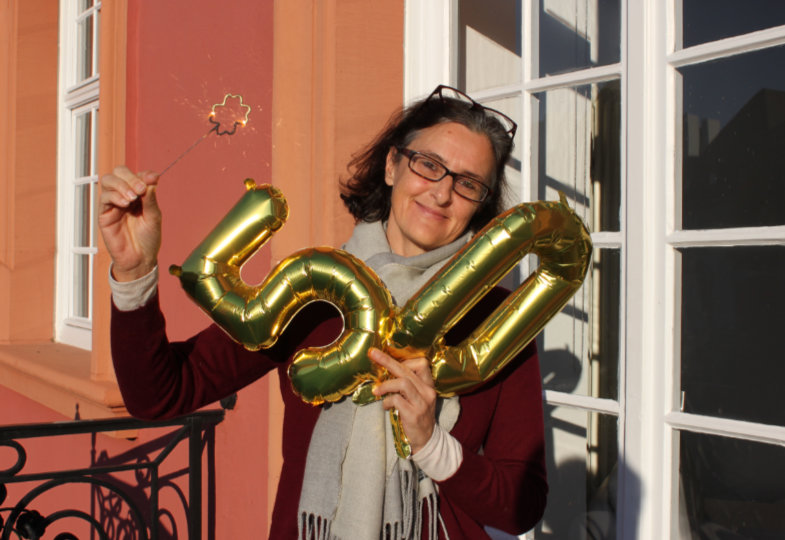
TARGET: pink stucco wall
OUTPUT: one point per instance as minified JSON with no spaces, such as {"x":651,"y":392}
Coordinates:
{"x":182,"y":58}
{"x":338,"y":75}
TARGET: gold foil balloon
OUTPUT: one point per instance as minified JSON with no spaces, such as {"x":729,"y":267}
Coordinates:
{"x":256,"y":316}
{"x":553,"y":232}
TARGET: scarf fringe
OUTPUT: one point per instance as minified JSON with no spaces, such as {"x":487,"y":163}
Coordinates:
{"x":312,"y":527}
{"x":431,"y":503}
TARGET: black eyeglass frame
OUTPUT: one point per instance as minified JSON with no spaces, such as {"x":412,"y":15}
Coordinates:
{"x":439,"y":92}
{"x":411,"y":154}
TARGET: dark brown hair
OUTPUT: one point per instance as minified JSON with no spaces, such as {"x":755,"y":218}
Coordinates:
{"x":366,"y":194}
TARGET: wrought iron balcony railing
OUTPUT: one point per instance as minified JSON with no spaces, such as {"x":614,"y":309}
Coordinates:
{"x":112,"y":497}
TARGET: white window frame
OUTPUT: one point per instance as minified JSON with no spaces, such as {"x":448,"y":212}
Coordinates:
{"x":74,"y":98}
{"x":429,"y":60}
{"x":675,"y":237}
{"x":649,"y":402}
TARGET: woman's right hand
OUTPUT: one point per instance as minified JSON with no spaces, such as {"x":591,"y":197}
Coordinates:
{"x":130,"y":222}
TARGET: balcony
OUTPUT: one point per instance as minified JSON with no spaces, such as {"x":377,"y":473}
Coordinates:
{"x":144,"y":491}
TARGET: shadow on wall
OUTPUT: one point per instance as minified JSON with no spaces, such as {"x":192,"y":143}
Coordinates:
{"x":151,"y":484}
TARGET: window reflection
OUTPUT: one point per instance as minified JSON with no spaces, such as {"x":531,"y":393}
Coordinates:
{"x":731,"y":351}
{"x":579,"y":347}
{"x":710,"y":20}
{"x":511,"y":106}
{"x":578,"y":34}
{"x":82,"y":214}
{"x":582,"y":474}
{"x":730,"y":488}
{"x":84,"y":65}
{"x":489,"y":43}
{"x":83,"y":142}
{"x":734,"y":135}
{"x":80,"y":291}
{"x":579,"y":150}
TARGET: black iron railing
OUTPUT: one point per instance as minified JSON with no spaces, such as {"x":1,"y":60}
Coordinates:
{"x":118,"y":508}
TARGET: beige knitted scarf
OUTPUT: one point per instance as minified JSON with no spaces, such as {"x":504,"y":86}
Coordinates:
{"x":355,"y":485}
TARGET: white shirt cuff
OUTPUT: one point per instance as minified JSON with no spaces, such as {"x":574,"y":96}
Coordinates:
{"x":131,"y":295}
{"x":441,"y":456}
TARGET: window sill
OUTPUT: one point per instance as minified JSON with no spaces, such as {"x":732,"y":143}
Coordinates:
{"x":58,"y":377}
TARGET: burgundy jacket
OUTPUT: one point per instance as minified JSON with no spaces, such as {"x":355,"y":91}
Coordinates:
{"x":501,"y":481}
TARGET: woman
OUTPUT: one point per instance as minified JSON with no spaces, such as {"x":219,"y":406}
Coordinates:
{"x":432,"y":177}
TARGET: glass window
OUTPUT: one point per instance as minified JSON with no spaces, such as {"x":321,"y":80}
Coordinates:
{"x":81,"y":282}
{"x":733,"y":166}
{"x":569,"y":141}
{"x":83,"y":143}
{"x":84,"y":60}
{"x":489,"y":43}
{"x":579,"y":150}
{"x":710,"y":20}
{"x":578,"y":34}
{"x":83,"y":205}
{"x":730,"y":488}
{"x":77,"y":154}
{"x":579,"y":347}
{"x":731,"y":322}
{"x":582,"y":472}
{"x":609,"y":378}
{"x":511,"y":106}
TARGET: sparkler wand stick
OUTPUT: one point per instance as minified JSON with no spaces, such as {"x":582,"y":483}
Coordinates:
{"x":181,"y":156}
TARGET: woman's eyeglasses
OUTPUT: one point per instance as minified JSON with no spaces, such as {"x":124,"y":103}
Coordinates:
{"x":427,"y":167}
{"x":448,"y":92}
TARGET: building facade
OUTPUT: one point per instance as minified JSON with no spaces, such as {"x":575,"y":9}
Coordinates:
{"x":661,"y":122}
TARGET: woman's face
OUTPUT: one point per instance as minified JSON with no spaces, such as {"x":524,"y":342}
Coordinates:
{"x":425,"y":215}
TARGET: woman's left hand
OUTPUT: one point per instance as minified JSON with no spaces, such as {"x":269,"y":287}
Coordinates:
{"x":410,"y":390}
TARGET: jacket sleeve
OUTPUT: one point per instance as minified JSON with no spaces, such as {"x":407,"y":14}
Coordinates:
{"x":159,"y":379}
{"x":502,"y":481}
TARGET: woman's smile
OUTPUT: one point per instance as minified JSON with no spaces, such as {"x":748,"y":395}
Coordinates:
{"x":424,"y":214}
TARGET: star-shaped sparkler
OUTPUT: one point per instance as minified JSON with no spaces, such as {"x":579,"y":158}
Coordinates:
{"x":232,"y":112}
{"x":235,"y":113}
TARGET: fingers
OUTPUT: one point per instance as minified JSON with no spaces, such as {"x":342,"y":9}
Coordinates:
{"x":415,"y":370}
{"x":417,"y":366}
{"x":122,"y":187}
{"x":411,"y":383}
{"x":130,"y":221}
{"x":411,"y":391}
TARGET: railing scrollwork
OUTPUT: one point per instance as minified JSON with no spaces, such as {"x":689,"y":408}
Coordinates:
{"x":117,"y":509}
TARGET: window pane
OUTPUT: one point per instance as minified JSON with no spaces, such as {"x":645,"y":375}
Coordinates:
{"x":511,"y":107}
{"x":731,"y":488}
{"x":80,"y":290}
{"x":84,"y":51}
{"x":82,"y":214}
{"x":84,"y":4}
{"x":489,"y":43}
{"x":579,"y":150}
{"x":582,"y":470}
{"x":578,"y":34}
{"x":579,"y":347}
{"x":731,"y":352}
{"x":94,"y":144}
{"x":734,"y":134}
{"x":96,"y":33}
{"x":83,"y":142}
{"x":709,"y":20}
